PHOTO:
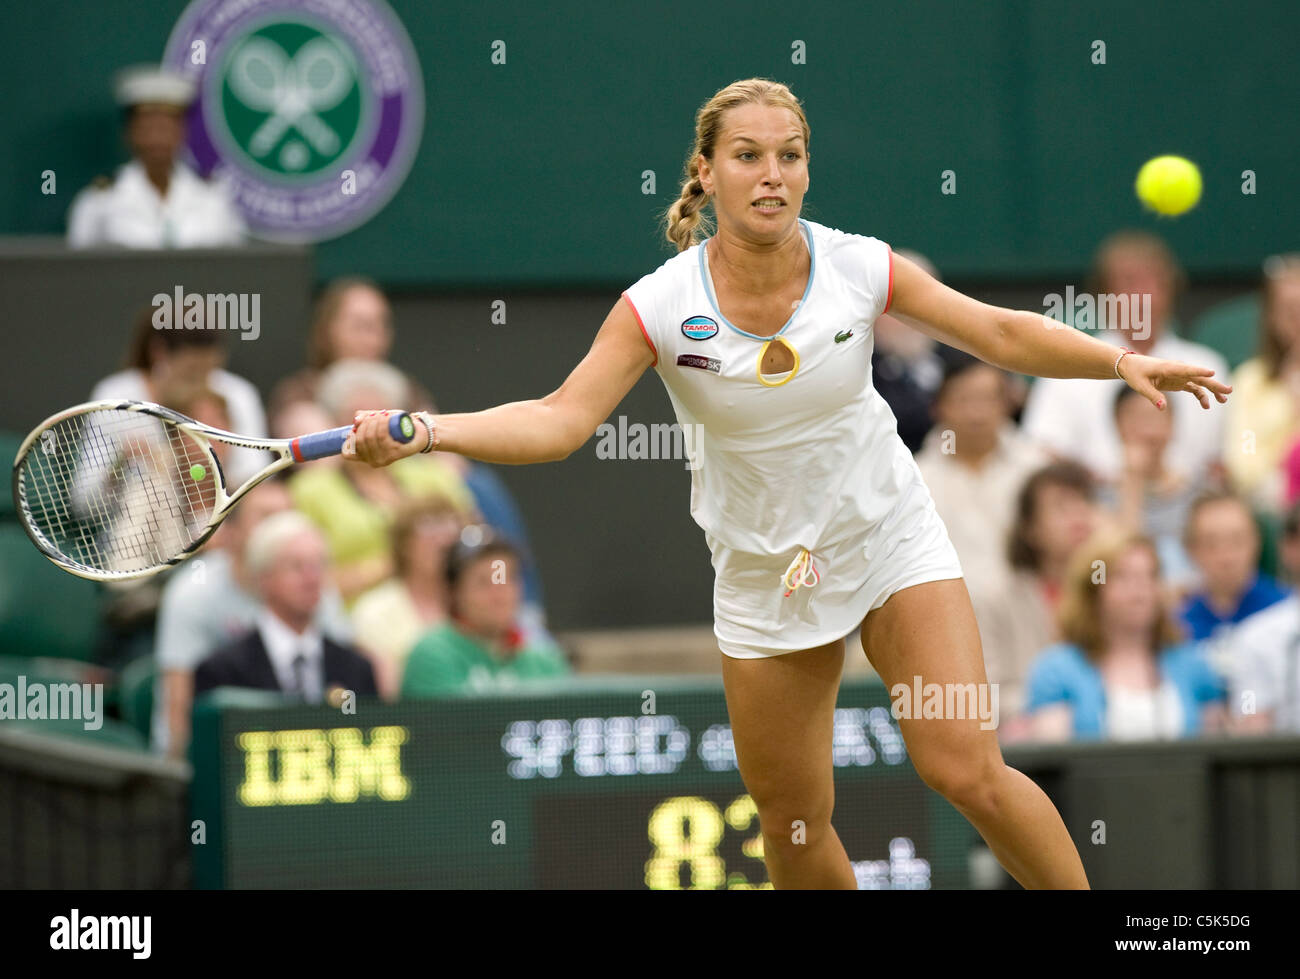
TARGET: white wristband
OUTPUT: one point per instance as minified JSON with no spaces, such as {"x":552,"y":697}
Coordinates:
{"x":1119,"y":358}
{"x":425,"y":417}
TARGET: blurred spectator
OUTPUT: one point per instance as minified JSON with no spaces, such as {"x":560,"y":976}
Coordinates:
{"x":301,"y":418}
{"x":498,"y":509}
{"x":1072,"y":417}
{"x":491,"y":497}
{"x":210,"y":602}
{"x":1264,"y":408}
{"x":173,"y":367}
{"x":1148,"y":496}
{"x":209,"y":408}
{"x":286,"y":560}
{"x":1291,"y":473}
{"x":1054,"y":514}
{"x":1264,"y":652}
{"x":352,"y":320}
{"x":482,"y":646}
{"x":974,"y":462}
{"x":156,"y":200}
{"x":297,"y":418}
{"x":1124,"y":671}
{"x":165,"y":521}
{"x":907,"y":367}
{"x":1222,"y":539}
{"x":130,"y":608}
{"x":390,"y":617}
{"x":353,"y":503}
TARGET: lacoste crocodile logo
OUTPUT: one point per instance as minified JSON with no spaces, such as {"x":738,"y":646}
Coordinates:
{"x":843,"y":335}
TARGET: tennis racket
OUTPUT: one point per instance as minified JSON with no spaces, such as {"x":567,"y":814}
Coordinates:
{"x":114,"y":490}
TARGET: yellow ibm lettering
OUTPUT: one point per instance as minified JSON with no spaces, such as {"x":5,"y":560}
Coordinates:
{"x":303,"y":768}
{"x":258,"y":789}
{"x":374,"y":769}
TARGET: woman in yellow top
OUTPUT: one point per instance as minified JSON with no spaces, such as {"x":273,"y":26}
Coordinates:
{"x":351,"y":502}
{"x":1264,"y":413}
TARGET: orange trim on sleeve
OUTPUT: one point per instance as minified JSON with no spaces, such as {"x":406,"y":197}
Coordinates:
{"x":889,"y":296}
{"x":650,"y":342}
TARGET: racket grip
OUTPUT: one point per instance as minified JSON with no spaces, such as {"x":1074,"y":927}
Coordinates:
{"x":322,"y":445}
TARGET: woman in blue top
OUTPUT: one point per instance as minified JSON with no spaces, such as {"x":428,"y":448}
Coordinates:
{"x":1124,"y":671}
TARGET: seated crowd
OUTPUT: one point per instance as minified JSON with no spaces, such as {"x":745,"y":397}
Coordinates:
{"x":1133,"y":570}
{"x":412,"y":580}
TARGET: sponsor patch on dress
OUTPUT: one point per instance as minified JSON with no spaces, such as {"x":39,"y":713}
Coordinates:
{"x":704,"y":363}
{"x":699,"y":327}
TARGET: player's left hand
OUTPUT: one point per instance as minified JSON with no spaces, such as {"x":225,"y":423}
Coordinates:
{"x":1150,"y":375}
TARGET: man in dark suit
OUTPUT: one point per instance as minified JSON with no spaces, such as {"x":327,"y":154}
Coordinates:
{"x":286,"y":559}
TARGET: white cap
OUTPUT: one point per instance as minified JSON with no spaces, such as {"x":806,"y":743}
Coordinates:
{"x":149,"y":84}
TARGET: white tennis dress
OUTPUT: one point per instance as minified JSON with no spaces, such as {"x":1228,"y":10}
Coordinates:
{"x":812,"y":506}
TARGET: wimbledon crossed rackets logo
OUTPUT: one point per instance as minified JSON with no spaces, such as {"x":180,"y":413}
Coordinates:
{"x":277,"y":101}
{"x":311,"y":110}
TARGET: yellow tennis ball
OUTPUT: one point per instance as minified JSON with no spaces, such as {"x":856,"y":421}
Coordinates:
{"x":1169,"y":185}
{"x":197,"y":472}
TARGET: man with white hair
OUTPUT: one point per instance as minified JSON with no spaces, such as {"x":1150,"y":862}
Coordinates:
{"x":286,"y":560}
{"x":155,"y":201}
{"x":210,"y":602}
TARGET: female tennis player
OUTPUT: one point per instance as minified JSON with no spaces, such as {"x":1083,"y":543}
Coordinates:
{"x":815,"y":513}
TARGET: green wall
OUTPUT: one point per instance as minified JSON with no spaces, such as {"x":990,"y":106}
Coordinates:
{"x":530,"y":173}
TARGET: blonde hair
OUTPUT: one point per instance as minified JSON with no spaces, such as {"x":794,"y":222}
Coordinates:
{"x":1080,"y":610}
{"x":685,"y":220}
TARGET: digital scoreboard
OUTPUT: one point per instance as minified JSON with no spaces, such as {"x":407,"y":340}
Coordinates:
{"x":576,"y":783}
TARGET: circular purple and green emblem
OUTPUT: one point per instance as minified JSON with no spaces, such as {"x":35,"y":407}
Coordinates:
{"x":311,"y":109}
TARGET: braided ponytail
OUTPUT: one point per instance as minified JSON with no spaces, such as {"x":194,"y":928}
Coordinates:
{"x":686,"y":215}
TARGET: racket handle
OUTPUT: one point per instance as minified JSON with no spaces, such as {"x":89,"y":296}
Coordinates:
{"x":322,"y":445}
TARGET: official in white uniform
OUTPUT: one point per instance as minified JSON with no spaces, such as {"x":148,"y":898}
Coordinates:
{"x":815,"y":513}
{"x":156,"y":200}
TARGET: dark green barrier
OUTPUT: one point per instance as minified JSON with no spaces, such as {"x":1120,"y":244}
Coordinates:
{"x":569,"y":786}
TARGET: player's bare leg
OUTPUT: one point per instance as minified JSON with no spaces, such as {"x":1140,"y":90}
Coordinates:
{"x":929,"y":630}
{"x":782,"y":719}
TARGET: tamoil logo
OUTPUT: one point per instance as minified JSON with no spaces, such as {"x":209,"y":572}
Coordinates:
{"x":700,"y":327}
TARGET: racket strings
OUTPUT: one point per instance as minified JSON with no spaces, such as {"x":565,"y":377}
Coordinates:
{"x":112,"y":490}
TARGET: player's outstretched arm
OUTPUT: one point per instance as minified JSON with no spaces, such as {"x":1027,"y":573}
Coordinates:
{"x":542,"y":430}
{"x":1030,"y":343}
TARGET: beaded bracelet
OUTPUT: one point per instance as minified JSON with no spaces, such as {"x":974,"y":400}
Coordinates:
{"x":1126,"y":352}
{"x":425,"y":417}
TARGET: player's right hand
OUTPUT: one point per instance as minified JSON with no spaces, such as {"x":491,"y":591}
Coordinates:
{"x":370,"y":442}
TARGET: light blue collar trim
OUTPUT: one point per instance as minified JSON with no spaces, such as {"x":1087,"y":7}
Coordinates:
{"x":708,"y":286}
